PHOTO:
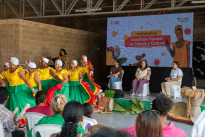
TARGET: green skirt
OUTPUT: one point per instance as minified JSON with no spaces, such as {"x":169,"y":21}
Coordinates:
{"x":94,"y":87}
{"x":78,"y":92}
{"x":64,"y":91}
{"x":46,"y":84}
{"x":19,"y":96}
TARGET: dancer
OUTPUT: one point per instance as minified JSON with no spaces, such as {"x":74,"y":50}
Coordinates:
{"x":79,"y":90}
{"x":142,"y":76}
{"x":63,"y":56}
{"x":60,"y":76}
{"x":45,"y":72}
{"x":33,"y":76}
{"x":85,"y":69}
{"x":6,"y":68}
{"x":19,"y":95}
{"x":181,"y":48}
{"x":175,"y":78}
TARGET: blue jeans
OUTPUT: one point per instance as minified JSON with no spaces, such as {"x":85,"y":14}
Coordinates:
{"x":113,"y":80}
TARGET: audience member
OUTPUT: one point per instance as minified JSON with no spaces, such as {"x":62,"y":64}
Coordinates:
{"x":106,"y":132}
{"x":88,"y":111}
{"x":6,"y":117}
{"x":40,"y":98}
{"x":73,"y":116}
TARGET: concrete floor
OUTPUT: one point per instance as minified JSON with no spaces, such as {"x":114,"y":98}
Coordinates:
{"x":118,"y":121}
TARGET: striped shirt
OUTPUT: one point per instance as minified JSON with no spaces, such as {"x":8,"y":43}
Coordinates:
{"x":6,"y":117}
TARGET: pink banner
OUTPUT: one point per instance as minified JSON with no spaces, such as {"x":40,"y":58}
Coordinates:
{"x":147,"y":41}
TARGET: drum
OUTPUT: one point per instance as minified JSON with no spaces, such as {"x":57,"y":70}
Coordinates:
{"x":106,"y":104}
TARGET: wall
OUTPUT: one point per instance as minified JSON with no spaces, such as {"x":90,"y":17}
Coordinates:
{"x":29,"y":40}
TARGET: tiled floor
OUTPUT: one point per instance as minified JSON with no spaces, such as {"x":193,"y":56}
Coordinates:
{"x":118,"y":121}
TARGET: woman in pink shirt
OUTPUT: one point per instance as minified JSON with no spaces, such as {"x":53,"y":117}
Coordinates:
{"x":163,"y":105}
{"x":40,"y":98}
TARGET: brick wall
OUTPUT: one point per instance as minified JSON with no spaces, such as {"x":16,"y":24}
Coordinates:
{"x":29,"y":40}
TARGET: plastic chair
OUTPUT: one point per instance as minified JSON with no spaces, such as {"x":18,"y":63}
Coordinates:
{"x":90,"y":121}
{"x":175,"y":91}
{"x":145,"y":91}
{"x":1,"y":130}
{"x":46,"y":130}
{"x":118,"y":85}
{"x":32,"y":118}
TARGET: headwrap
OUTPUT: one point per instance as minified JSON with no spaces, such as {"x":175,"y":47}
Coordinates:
{"x":85,"y":58}
{"x":14,"y":60}
{"x":178,"y":27}
{"x":6,"y":64}
{"x":32,"y":65}
{"x":27,"y":62}
{"x":39,"y":60}
{"x":45,"y":59}
{"x":59,"y":62}
{"x":75,"y":62}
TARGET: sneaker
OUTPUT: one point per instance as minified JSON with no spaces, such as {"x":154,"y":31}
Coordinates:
{"x":133,"y":94}
{"x":139,"y":94}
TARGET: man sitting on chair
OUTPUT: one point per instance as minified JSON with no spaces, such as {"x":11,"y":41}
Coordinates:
{"x":115,"y":74}
{"x":175,"y":78}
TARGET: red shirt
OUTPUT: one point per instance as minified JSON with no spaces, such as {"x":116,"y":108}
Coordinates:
{"x":45,"y":110}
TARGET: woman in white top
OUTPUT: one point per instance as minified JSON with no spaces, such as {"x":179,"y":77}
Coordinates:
{"x":175,"y":78}
{"x":142,"y":76}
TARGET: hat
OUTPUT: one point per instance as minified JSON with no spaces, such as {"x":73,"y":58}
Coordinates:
{"x":32,"y":65}
{"x":59,"y":62}
{"x":85,"y":58}
{"x":14,"y":60}
{"x":45,"y":59}
{"x":6,"y":64}
{"x":75,"y":62}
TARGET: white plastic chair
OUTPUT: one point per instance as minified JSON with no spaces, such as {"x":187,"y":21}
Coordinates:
{"x":46,"y":130}
{"x":175,"y":91}
{"x":118,"y":85}
{"x":1,"y":130}
{"x":32,"y":118}
{"x":145,"y":89}
{"x":90,"y":121}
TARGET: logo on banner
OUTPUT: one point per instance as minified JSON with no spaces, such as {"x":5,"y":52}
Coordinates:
{"x":183,"y":19}
{"x":114,"y":22}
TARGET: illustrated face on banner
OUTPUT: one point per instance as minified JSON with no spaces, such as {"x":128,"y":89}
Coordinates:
{"x":159,"y":39}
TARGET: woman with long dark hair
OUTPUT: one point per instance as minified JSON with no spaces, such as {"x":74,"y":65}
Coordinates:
{"x":142,"y":76}
{"x":63,"y":56}
{"x":73,"y":115}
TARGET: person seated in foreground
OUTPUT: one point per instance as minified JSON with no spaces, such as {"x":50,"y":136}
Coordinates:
{"x":115,"y":74}
{"x":199,"y":126}
{"x":6,"y":117}
{"x":175,"y":78}
{"x":88,"y":111}
{"x":57,"y":105}
{"x":142,"y":77}
{"x":40,"y":98}
{"x":106,"y":132}
{"x":73,"y":116}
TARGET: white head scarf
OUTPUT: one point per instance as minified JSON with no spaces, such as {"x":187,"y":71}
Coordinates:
{"x":75,"y":62}
{"x":85,"y":58}
{"x":59,"y":62}
{"x":32,"y":65}
{"x":14,"y":60}
{"x":7,"y":64}
{"x":45,"y":59}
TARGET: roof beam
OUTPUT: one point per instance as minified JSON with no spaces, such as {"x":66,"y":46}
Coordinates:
{"x":34,"y":8}
{"x":114,"y":5}
{"x":71,"y":7}
{"x":57,"y":6}
{"x":122,"y":5}
{"x":97,"y":4}
{"x":10,"y":5}
{"x":149,"y":5}
{"x":173,"y":3}
{"x":182,"y":3}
